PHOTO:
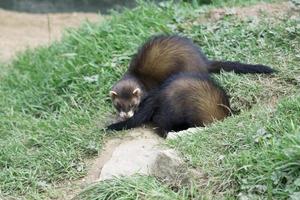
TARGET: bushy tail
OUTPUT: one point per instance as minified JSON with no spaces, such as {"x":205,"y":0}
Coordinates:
{"x":237,"y":67}
{"x":143,"y":115}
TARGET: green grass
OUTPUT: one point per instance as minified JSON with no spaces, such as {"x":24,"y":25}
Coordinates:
{"x":3,"y":68}
{"x":255,"y":154}
{"x":52,"y":119}
{"x":137,"y":187}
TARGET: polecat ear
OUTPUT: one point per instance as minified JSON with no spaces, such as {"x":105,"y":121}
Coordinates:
{"x":136,"y":92}
{"x":113,"y":94}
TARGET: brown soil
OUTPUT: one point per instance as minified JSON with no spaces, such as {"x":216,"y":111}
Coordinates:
{"x":252,"y":11}
{"x":22,"y":30}
{"x":275,"y":9}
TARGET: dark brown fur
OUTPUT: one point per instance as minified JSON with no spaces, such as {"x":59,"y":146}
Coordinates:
{"x":184,"y":100}
{"x":163,"y":56}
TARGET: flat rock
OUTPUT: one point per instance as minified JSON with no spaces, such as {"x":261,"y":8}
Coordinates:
{"x":131,"y":157}
{"x":124,"y":154}
{"x":142,"y":152}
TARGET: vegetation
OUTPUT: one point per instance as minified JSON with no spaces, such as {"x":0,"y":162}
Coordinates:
{"x":54,"y":105}
{"x":136,"y":187}
{"x":255,"y":154}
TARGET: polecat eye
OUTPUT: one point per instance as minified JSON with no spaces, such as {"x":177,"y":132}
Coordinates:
{"x":118,"y":107}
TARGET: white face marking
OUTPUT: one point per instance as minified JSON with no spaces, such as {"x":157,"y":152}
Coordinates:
{"x":126,"y":115}
{"x":130,"y":113}
{"x":122,"y":114}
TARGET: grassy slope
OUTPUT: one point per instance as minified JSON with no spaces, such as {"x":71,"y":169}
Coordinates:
{"x":51,"y":118}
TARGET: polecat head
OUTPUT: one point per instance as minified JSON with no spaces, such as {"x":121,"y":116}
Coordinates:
{"x":126,"y":96}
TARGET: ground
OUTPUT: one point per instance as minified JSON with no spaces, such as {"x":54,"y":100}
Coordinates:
{"x":52,"y":118}
{"x":22,"y":30}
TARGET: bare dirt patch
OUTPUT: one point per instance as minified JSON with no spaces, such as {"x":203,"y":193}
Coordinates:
{"x":252,"y":11}
{"x":22,"y":30}
{"x":274,"y":9}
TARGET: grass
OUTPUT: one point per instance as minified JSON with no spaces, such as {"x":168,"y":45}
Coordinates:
{"x":255,"y":154}
{"x":52,"y":116}
{"x":3,"y":68}
{"x":137,"y":187}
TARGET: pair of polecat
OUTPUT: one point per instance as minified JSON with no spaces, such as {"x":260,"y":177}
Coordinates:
{"x":182,"y":101}
{"x":160,"y":58}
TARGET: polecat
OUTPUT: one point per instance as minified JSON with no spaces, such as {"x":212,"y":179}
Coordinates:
{"x":182,"y":101}
{"x":159,"y":58}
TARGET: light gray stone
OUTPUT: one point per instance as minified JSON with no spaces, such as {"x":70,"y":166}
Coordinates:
{"x":142,"y":152}
{"x":131,"y":157}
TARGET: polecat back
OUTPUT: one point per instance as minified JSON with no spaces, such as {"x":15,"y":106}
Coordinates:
{"x":163,"y":56}
{"x":185,"y":100}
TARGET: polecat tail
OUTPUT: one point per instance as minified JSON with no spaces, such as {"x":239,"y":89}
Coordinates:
{"x":143,"y":115}
{"x":237,"y":67}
